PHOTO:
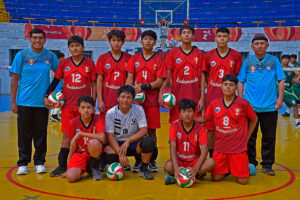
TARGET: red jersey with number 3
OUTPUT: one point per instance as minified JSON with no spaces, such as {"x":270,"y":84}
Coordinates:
{"x":216,"y":67}
{"x":231,"y":133}
{"x":77,"y":79}
{"x":147,"y":71}
{"x":187,"y":143}
{"x":186,"y":73}
{"x":114,"y":76}
{"x":97,"y":125}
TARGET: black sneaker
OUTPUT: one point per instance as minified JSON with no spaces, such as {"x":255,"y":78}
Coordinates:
{"x":144,"y":172}
{"x":298,"y":125}
{"x":97,"y":175}
{"x":268,"y":170}
{"x":54,"y":118}
{"x":58,"y":171}
{"x":153,"y":167}
{"x":136,"y":167}
{"x":285,"y":114}
{"x":127,"y":168}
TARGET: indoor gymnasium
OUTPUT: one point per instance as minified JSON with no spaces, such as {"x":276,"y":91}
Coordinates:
{"x":227,"y":72}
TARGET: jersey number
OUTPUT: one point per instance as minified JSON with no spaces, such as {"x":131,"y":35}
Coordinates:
{"x":186,"y":70}
{"x":225,"y":121}
{"x":221,"y":73}
{"x":144,"y":74}
{"x":186,"y":146}
{"x":117,"y":74}
{"x":76,"y":78}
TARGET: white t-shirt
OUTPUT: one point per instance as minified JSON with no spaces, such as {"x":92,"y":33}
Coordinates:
{"x":125,"y":125}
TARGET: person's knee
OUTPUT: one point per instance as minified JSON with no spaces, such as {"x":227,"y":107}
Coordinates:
{"x":211,"y":162}
{"x":168,"y":166}
{"x":72,"y":175}
{"x":147,"y":144}
{"x":243,"y":181}
{"x":217,"y":177}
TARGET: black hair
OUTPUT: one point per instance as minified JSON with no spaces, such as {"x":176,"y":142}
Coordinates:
{"x":37,"y":30}
{"x":187,"y":26}
{"x":87,"y":99}
{"x":285,"y":56}
{"x":231,"y":78}
{"x":185,"y":104}
{"x":260,"y":36}
{"x":149,"y":33}
{"x":116,"y":33}
{"x":293,"y":56}
{"x":60,"y":55}
{"x":76,"y":39}
{"x":126,"y":89}
{"x":223,"y":30}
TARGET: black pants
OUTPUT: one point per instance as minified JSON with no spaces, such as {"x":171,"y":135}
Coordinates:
{"x":268,"y":123}
{"x":32,"y":125}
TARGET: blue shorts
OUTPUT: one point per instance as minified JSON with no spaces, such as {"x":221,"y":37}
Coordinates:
{"x":131,"y":150}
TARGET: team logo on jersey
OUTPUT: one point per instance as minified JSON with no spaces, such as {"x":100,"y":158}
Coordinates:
{"x":178,"y":135}
{"x":78,"y":131}
{"x":269,"y":68}
{"x":213,"y":63}
{"x":237,"y":111}
{"x":231,"y":63}
{"x":67,"y":69}
{"x":134,"y":121}
{"x":218,"y":109}
{"x":155,"y":66}
{"x":47,"y":62}
{"x":252,"y":69}
{"x":196,"y":60}
{"x":107,"y":66}
{"x":178,"y":60}
{"x":87,"y":69}
{"x":31,"y":62}
{"x":137,"y":64}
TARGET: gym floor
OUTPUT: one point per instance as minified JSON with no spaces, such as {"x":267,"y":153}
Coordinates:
{"x":285,"y":185}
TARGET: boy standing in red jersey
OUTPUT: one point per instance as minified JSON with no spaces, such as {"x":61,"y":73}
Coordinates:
{"x":219,"y":62}
{"x":184,"y":70}
{"x":149,"y":71}
{"x":79,"y":78}
{"x":230,"y":115}
{"x":87,"y":133}
{"x":188,"y":144}
{"x":110,"y":69}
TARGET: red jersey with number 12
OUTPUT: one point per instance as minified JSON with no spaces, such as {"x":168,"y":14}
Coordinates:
{"x":187,"y":143}
{"x":77,"y":79}
{"x":114,"y":76}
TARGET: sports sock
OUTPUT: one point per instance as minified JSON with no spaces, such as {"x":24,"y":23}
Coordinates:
{"x":288,"y":110}
{"x":63,"y":157}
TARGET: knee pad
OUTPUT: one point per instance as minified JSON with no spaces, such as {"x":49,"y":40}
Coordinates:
{"x":110,"y":158}
{"x":147,"y":144}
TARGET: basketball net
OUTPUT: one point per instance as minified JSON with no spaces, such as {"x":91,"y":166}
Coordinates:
{"x":164,"y":26}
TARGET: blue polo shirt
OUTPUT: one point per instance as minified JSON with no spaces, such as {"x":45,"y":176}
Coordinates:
{"x":260,"y":79}
{"x":34,"y":69}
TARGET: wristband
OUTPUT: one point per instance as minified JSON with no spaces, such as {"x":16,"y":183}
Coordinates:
{"x":146,"y":86}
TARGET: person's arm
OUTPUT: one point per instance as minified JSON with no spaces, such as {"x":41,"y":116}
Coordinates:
{"x":278,"y":103}
{"x":98,"y":136}
{"x":201,"y":120}
{"x":13,"y":92}
{"x":162,"y":89}
{"x":94,"y":89}
{"x":201,"y":102}
{"x":176,"y":166}
{"x":101,"y":105}
{"x":114,"y":144}
{"x":240,"y":89}
{"x":149,"y":86}
{"x":50,"y":89}
{"x":129,"y":80}
{"x":251,"y":127}
{"x":204,"y":151}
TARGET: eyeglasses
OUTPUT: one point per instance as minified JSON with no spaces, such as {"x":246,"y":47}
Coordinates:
{"x":37,"y":38}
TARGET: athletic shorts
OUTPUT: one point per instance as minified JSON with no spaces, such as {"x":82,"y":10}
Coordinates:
{"x":237,"y":163}
{"x":188,"y":164}
{"x":174,"y":114}
{"x":67,"y":114}
{"x":296,"y":88}
{"x":79,"y":160}
{"x":131,"y":150}
{"x":290,"y":98}
{"x":152,"y":116}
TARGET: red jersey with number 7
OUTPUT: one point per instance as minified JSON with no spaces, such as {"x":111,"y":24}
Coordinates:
{"x":187,"y":143}
{"x":77,"y":79}
{"x":114,"y":76}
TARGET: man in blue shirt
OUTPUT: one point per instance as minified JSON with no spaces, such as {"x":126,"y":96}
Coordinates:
{"x":30,"y":80}
{"x":258,"y":77}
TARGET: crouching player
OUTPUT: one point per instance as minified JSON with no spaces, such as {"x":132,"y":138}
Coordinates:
{"x":230,"y":115}
{"x":126,"y":129}
{"x":87,"y":138}
{"x":188,"y":144}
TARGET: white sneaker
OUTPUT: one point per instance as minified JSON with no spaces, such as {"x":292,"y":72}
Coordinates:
{"x":22,"y":170}
{"x":298,"y":125}
{"x":40,"y":169}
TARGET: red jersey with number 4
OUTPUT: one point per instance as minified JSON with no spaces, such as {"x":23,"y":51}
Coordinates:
{"x":77,"y":79}
{"x":186,"y":73}
{"x":114,"y":76}
{"x":187,"y":143}
{"x":216,"y":67}
{"x":147,"y":71}
{"x":231,"y":133}
{"x":97,"y":125}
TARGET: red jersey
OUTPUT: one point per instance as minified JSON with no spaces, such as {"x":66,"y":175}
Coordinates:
{"x":77,"y":79}
{"x":147,"y":71}
{"x":186,"y":73}
{"x":231,"y":123}
{"x":97,"y":125}
{"x":187,"y":143}
{"x":216,"y":67}
{"x":114,"y":76}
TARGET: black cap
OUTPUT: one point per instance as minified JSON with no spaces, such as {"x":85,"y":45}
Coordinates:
{"x":260,"y":36}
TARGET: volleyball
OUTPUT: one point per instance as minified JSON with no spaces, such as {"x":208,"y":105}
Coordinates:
{"x":114,"y":171}
{"x":57,"y":99}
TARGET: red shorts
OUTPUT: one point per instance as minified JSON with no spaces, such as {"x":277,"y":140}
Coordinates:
{"x":174,"y":114}
{"x":238,"y":164}
{"x":188,"y":164}
{"x":67,"y":114}
{"x":79,"y":160}
{"x":152,"y":116}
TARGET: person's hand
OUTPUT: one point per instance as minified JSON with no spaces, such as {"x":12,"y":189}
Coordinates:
{"x":123,"y":148}
{"x":161,"y":101}
{"x":137,"y":88}
{"x":101,"y":106}
{"x":278,"y":104}
{"x":177,"y":171}
{"x":64,"y":175}
{"x":14,"y":107}
{"x":47,"y":103}
{"x":193,"y":172}
{"x":123,"y":160}
{"x":200,"y":105}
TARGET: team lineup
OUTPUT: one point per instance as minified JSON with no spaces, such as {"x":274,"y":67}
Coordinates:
{"x":221,"y":101}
